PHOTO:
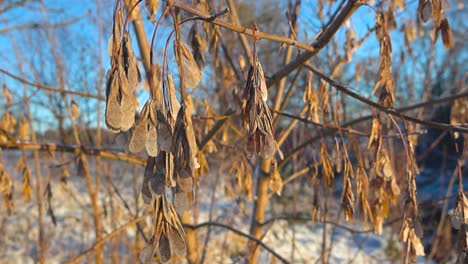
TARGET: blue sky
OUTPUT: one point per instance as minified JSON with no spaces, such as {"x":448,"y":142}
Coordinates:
{"x":78,"y":43}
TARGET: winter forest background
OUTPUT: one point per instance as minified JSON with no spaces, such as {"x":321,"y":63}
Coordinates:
{"x":233,"y":131}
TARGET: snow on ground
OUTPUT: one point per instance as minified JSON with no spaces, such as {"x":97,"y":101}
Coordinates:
{"x":74,"y":232}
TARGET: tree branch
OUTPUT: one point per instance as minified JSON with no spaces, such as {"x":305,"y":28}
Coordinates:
{"x":133,"y":159}
{"x":240,"y":233}
{"x":390,"y":111}
{"x":50,"y":88}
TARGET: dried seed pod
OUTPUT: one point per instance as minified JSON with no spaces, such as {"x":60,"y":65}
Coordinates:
{"x":152,"y":8}
{"x":276,"y":183}
{"x":327,"y":168}
{"x":185,"y":181}
{"x":145,"y":187}
{"x":192,"y":75}
{"x":24,"y":133}
{"x":347,"y":198}
{"x":256,"y":114}
{"x":383,"y":166}
{"x":7,"y":95}
{"x":174,"y":105}
{"x":75,"y":110}
{"x":157,"y":183}
{"x":183,"y":201}
{"x":152,"y":142}
{"x":146,"y":254}
{"x":198,"y":46}
{"x":383,"y":87}
{"x":269,"y":147}
{"x":139,"y":137}
{"x":164,"y":248}
{"x":113,"y":110}
{"x":460,"y":214}
{"x":177,"y":240}
{"x":447,"y":37}
{"x":425,"y":10}
{"x":130,"y":64}
{"x":263,"y":85}
{"x":127,"y":109}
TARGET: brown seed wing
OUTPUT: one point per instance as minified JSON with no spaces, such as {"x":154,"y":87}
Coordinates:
{"x":164,"y":248}
{"x":177,"y":241}
{"x":113,"y":111}
{"x":158,"y":182}
{"x":127,"y":109}
{"x":152,"y":142}
{"x":185,"y":183}
{"x":183,"y":201}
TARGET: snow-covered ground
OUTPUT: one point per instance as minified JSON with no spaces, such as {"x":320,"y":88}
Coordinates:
{"x":299,"y":242}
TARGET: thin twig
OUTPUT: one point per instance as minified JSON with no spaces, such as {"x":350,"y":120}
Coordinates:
{"x":77,"y":150}
{"x":390,"y":111}
{"x":240,"y":233}
{"x":50,"y":88}
{"x":109,"y":236}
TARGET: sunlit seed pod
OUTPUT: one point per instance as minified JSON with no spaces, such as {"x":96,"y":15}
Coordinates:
{"x":122,"y":83}
{"x":170,"y":181}
{"x":131,"y":67}
{"x":152,"y":142}
{"x":113,"y":112}
{"x":138,"y":140}
{"x":174,"y":104}
{"x":192,"y":75}
{"x":262,"y":83}
{"x":128,"y":112}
